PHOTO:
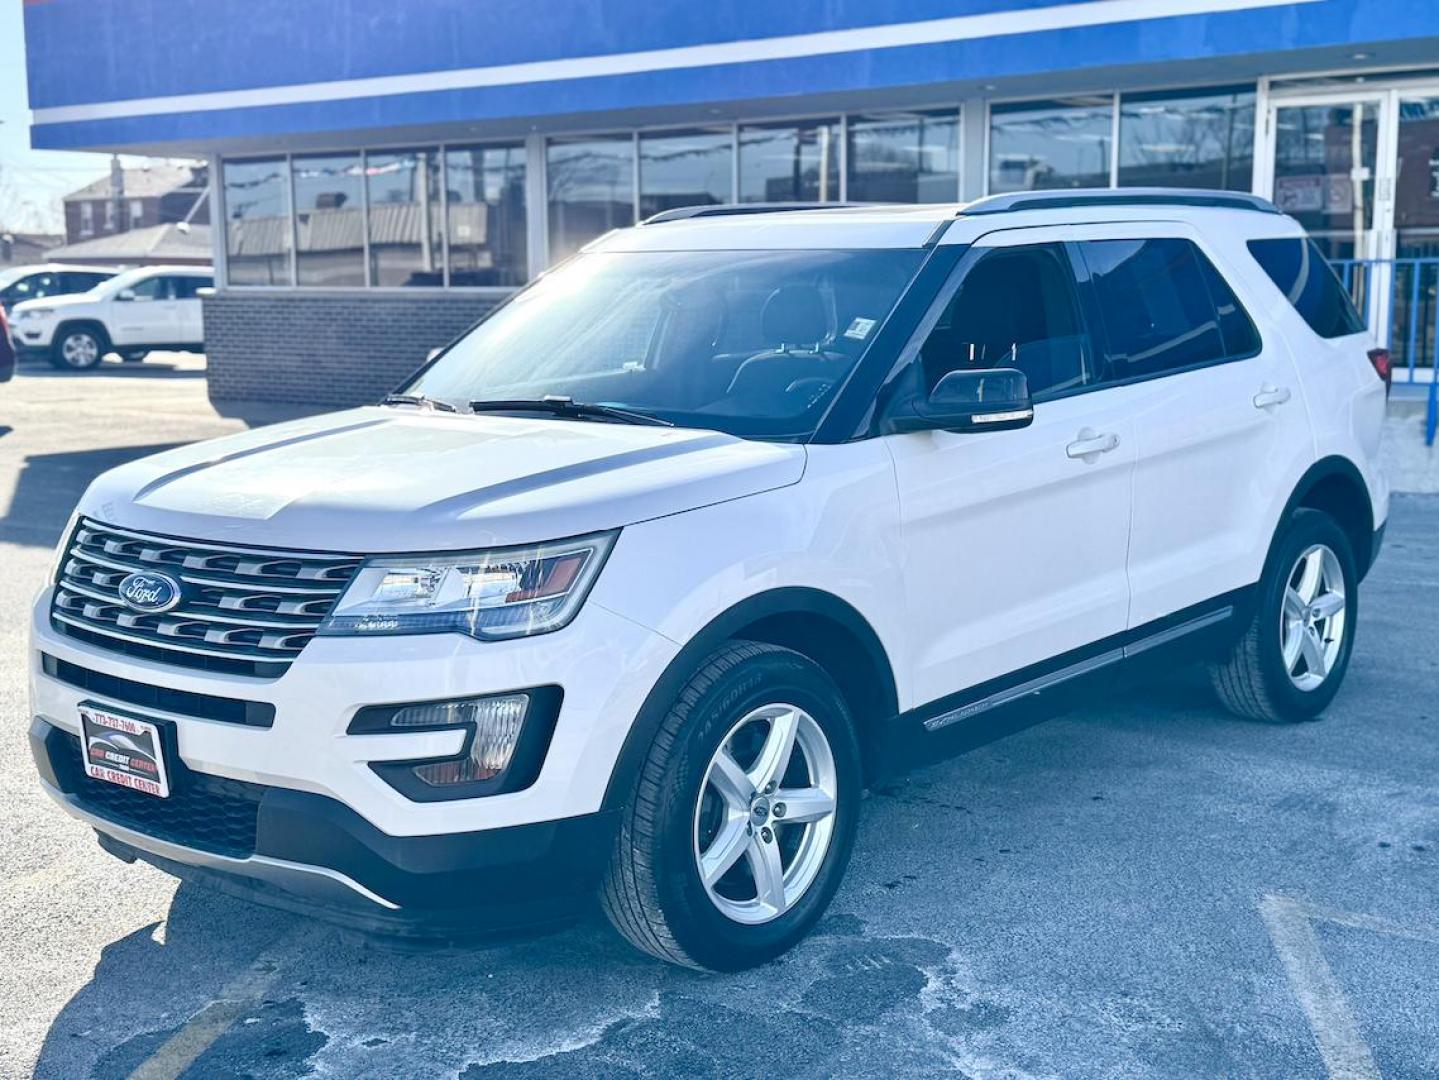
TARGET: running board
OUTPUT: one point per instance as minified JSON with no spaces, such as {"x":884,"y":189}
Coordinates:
{"x":1087,"y":666}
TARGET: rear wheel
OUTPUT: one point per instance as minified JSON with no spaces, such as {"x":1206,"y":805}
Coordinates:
{"x":743,"y":820}
{"x":1292,"y":658}
{"x":78,"y":348}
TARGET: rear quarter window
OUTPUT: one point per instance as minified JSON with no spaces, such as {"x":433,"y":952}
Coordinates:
{"x":1307,"y":280}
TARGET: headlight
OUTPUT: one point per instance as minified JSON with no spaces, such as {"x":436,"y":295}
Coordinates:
{"x":505,"y":593}
{"x":36,"y":313}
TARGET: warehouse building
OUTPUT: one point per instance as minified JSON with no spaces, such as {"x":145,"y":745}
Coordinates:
{"x":384,"y":173}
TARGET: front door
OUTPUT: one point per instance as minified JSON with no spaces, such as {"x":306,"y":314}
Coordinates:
{"x":151,"y":317}
{"x":1014,"y":541}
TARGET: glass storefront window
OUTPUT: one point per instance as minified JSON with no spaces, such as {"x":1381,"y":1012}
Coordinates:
{"x":404,"y":198}
{"x":488,"y":231}
{"x":904,"y":157}
{"x":257,"y":226}
{"x":685,"y":168}
{"x":1202,"y":140}
{"x":1415,"y":320}
{"x":1050,"y":144}
{"x":791,"y":162}
{"x":591,"y":189}
{"x":329,"y":226}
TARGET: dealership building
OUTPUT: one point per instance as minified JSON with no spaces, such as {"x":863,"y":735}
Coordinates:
{"x":384,"y":173}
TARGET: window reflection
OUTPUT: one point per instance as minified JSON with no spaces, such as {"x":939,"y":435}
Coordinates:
{"x":488,"y":233}
{"x":904,"y":157}
{"x":1050,"y":144}
{"x":686,"y":168}
{"x":793,"y":162}
{"x":1197,"y":140}
{"x":329,"y":237}
{"x":404,"y":196}
{"x":257,"y":229}
{"x":591,"y":190}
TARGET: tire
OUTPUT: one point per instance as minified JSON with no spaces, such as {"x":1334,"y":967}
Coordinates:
{"x":653,"y":892}
{"x":79,"y":347}
{"x":1258,"y":679}
{"x":134,"y":356}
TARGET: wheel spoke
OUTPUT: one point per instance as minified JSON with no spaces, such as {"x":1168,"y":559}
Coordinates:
{"x":727,"y":778}
{"x":768,"y":871}
{"x":1313,"y":650}
{"x":1310,"y":576}
{"x":803,"y":804}
{"x":725,"y":851}
{"x":1293,"y":647}
{"x":1329,"y":604}
{"x":1293,"y":604}
{"x":769,"y":768}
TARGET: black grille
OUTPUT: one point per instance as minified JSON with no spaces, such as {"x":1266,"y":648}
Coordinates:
{"x":204,"y":706}
{"x":245,"y":611}
{"x":208,"y":813}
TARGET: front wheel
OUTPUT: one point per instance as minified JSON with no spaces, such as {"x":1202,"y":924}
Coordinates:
{"x":1292,"y":658}
{"x":742,"y":823}
{"x":79,"y":349}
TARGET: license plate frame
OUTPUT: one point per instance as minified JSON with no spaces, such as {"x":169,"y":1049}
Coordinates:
{"x":123,"y":749}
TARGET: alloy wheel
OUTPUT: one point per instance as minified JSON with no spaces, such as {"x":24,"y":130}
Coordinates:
{"x":80,"y":350}
{"x":765,"y":815}
{"x":1313,"y":619}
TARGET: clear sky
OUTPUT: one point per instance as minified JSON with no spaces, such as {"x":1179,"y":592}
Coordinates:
{"x":31,"y":181}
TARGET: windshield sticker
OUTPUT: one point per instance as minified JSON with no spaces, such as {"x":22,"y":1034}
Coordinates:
{"x":859,"y":329}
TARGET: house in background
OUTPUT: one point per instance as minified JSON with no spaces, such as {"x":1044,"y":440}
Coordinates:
{"x":23,"y":249}
{"x":158,"y":194}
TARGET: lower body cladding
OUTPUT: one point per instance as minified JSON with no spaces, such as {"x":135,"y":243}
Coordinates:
{"x":281,"y":803}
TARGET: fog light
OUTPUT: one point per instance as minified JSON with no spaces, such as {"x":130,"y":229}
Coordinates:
{"x":497,"y":723}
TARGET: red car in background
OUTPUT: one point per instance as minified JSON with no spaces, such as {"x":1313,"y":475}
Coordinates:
{"x":7,"y":350}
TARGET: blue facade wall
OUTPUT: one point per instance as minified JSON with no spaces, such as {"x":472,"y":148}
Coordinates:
{"x":155,"y":49}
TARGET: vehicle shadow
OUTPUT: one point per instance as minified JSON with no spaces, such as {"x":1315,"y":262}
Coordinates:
{"x":49,"y":486}
{"x":114,"y":367}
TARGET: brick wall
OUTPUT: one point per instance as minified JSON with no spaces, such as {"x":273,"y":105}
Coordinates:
{"x":334,"y":349}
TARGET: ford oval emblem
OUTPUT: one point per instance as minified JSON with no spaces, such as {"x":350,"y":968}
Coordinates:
{"x":150,"y":593}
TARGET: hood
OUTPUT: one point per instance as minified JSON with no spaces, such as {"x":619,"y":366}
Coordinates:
{"x":57,"y":301}
{"x":401,"y":480}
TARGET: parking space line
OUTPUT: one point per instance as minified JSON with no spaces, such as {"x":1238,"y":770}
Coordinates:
{"x":237,"y":997}
{"x":1291,"y":928}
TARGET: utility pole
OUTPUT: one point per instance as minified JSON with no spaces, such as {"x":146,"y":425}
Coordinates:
{"x":117,"y":193}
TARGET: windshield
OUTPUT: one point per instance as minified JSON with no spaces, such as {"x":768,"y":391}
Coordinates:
{"x":754,"y":343}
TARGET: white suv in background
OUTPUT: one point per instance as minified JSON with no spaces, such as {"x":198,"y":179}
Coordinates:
{"x":132,"y":313}
{"x":633,"y":588}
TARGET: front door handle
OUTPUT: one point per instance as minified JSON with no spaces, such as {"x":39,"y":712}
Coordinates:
{"x":1270,"y":396}
{"x":1090,"y":444}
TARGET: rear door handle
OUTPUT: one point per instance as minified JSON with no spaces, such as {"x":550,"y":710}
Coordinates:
{"x":1091,"y":444}
{"x":1270,"y":396}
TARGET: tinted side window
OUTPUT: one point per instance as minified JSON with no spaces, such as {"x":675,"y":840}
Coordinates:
{"x":155,"y":288}
{"x":185,"y":287}
{"x":1306,"y":278}
{"x":1155,"y":304}
{"x":1241,"y":336}
{"x":1015,"y":308}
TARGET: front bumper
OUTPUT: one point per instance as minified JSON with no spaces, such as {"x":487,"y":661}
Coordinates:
{"x":308,"y":853}
{"x":320,"y":827}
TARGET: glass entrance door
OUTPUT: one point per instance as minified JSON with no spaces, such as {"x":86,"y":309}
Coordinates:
{"x":1325,"y":161}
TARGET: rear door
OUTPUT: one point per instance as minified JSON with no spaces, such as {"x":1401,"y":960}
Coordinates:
{"x":1014,"y":541}
{"x":190,"y":308}
{"x":1221,"y":423}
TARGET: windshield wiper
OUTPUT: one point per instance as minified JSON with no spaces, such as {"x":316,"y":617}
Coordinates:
{"x":420,"y":400}
{"x":558,"y":405}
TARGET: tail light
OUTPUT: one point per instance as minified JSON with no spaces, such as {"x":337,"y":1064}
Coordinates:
{"x":1383,"y":365}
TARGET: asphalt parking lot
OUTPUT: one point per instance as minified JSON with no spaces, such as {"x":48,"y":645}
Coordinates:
{"x":1146,"y":887}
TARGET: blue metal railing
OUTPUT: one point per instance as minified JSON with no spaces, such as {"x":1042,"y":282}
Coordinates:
{"x":1413,"y":303}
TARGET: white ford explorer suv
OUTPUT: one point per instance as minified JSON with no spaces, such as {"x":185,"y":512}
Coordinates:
{"x":133,"y":313}
{"x":633,"y":588}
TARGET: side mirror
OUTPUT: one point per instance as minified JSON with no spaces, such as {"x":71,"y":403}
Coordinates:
{"x":125,"y":294}
{"x":992,"y":399}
